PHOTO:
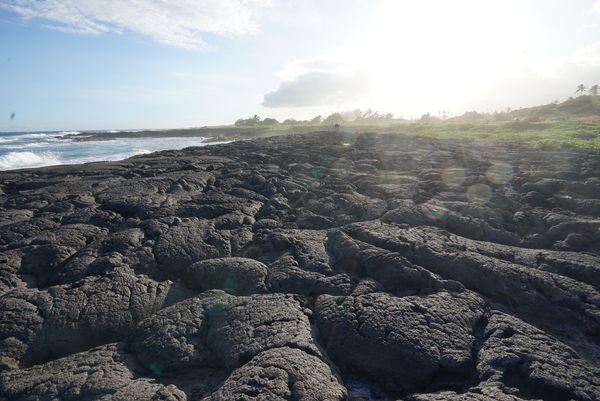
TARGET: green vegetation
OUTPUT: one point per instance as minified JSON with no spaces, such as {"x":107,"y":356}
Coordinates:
{"x":567,"y":135}
{"x":573,"y":124}
{"x":582,"y":108}
{"x":255,"y":121}
{"x":356,"y":116}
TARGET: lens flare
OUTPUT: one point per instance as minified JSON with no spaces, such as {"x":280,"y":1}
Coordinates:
{"x":500,"y":173}
{"x":479,"y":193}
{"x":321,"y":170}
{"x":433,"y":212}
{"x":230,"y":286}
{"x":453,"y":176}
{"x":155,"y":369}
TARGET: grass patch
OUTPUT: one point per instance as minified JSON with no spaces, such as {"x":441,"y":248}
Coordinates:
{"x":547,"y":135}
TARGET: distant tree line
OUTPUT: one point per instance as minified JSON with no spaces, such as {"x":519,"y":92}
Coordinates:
{"x":255,"y":121}
{"x":592,"y":90}
{"x":355,"y":116}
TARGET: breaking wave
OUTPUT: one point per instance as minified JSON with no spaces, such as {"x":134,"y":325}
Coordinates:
{"x":112,"y":157}
{"x":15,"y":160}
{"x":46,"y":149}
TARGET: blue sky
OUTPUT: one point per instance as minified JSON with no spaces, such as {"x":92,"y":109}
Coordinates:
{"x":107,"y":64}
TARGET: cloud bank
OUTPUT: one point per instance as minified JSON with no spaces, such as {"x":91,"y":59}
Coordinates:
{"x":175,"y":22}
{"x":319,"y":88}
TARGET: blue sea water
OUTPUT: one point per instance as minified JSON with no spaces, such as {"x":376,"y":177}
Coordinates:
{"x":38,"y":149}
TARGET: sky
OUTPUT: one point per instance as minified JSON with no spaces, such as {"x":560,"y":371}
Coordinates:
{"x":133,"y":64}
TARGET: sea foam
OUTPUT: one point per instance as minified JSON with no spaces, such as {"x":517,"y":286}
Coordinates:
{"x":15,"y":160}
{"x":39,"y":149}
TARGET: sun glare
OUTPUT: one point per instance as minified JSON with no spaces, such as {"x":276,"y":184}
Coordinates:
{"x":415,"y":48}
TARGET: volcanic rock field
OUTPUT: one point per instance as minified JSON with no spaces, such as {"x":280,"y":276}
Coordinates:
{"x":322,"y":266}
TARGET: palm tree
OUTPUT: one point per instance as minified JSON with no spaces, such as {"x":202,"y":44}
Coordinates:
{"x":594,"y":90}
{"x":581,"y":88}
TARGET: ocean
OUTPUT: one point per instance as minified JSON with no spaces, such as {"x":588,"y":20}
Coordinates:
{"x":38,"y":149}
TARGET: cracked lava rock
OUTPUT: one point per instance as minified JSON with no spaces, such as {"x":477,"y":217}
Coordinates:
{"x":322,"y":266}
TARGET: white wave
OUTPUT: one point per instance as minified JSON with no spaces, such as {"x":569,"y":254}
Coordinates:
{"x":16,"y":160}
{"x":125,"y":155}
{"x":42,"y":135}
{"x":111,"y":157}
{"x":21,"y":142}
{"x":36,"y":135}
{"x":9,"y":139}
{"x":68,"y":133}
{"x":86,"y":152}
{"x":25,"y":145}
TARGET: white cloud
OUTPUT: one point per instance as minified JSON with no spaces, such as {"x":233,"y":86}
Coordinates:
{"x":319,"y":88}
{"x":295,"y":68}
{"x":175,"y":22}
{"x":586,"y":57}
{"x":596,"y":6}
{"x":542,"y":83}
{"x":330,"y":81}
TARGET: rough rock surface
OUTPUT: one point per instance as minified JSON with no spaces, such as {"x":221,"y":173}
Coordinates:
{"x":324,"y":266}
{"x":405,"y":340}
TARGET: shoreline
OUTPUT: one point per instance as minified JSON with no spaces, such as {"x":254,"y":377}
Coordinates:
{"x":213,"y":133}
